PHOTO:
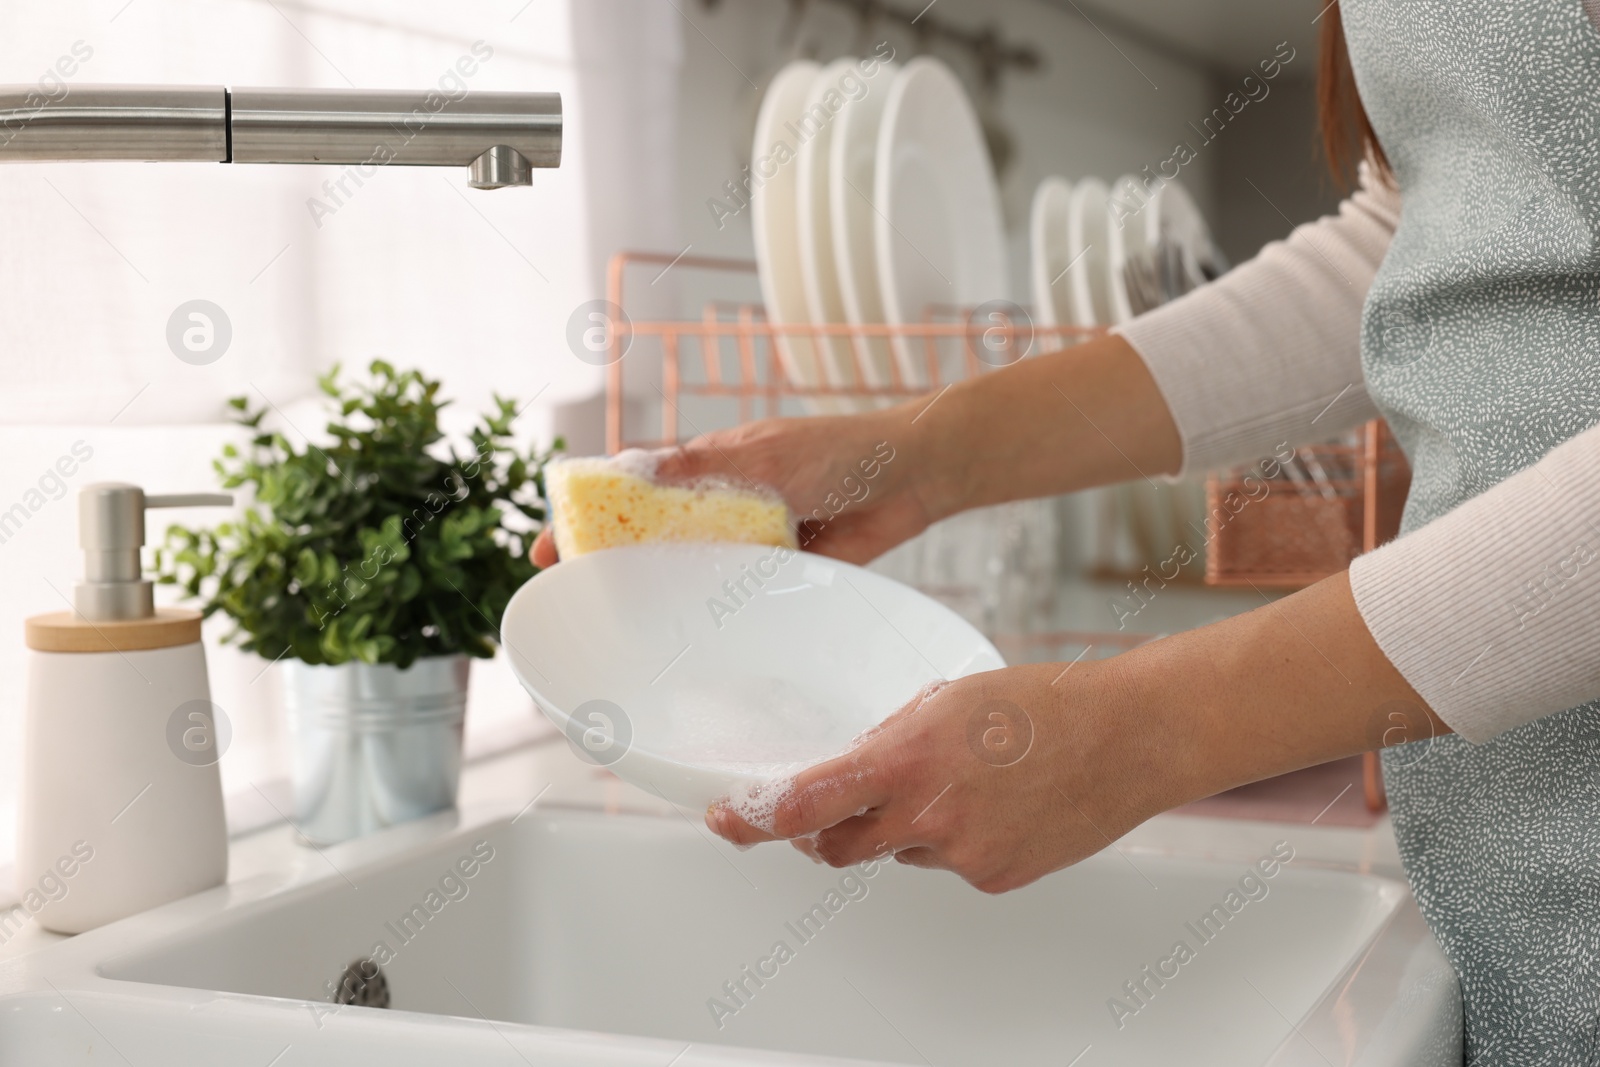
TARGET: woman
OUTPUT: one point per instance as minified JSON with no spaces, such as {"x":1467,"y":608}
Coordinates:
{"x":1457,"y":293}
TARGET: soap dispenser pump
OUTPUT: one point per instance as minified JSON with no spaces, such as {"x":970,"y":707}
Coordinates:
{"x":121,"y":806}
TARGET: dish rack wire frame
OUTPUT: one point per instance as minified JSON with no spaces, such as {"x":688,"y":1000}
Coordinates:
{"x":759,"y":385}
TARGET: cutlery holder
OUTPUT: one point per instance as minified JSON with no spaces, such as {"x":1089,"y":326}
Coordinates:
{"x":1293,"y":531}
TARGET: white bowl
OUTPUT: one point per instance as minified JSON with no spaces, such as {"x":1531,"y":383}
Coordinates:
{"x":688,"y":669}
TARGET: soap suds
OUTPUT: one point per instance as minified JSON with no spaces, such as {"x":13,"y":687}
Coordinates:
{"x":638,"y":462}
{"x":635,"y":462}
{"x":928,"y":692}
{"x":757,"y":803}
{"x":645,"y":464}
{"x":766,"y":731}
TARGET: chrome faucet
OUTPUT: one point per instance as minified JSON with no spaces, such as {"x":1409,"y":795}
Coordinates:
{"x":501,"y":136}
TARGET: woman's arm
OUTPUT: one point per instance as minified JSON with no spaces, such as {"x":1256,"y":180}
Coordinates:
{"x":1271,"y":353}
{"x":1006,"y":776}
{"x":1084,"y":416}
{"x":1066,"y":420}
{"x":1268,"y":354}
{"x":1485,"y":619}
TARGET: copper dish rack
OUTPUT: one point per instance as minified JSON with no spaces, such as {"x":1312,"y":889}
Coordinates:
{"x":1289,"y":540}
{"x":738,"y":358}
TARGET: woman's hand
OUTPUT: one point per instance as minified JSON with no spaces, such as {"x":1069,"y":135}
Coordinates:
{"x":854,"y":481}
{"x":1000,"y":777}
{"x":1006,"y":776}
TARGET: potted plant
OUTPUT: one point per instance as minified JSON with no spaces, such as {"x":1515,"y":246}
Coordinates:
{"x":372,"y":568}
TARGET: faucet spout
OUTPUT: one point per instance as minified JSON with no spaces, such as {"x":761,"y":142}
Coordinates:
{"x":500,"y":167}
{"x":500,"y":136}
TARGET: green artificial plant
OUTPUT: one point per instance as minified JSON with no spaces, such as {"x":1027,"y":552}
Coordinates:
{"x":384,"y":547}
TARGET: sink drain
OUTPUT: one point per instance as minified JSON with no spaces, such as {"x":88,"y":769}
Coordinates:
{"x":362,"y":984}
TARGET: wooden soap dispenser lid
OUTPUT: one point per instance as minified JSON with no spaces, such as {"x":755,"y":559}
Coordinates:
{"x":66,"y":631}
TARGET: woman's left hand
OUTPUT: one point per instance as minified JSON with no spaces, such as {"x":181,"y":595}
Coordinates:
{"x":1000,"y":777}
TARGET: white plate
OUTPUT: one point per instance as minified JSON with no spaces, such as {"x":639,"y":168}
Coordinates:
{"x":1128,"y":230}
{"x":1172,"y":214}
{"x":1089,"y":251}
{"x":852,"y":165}
{"x":814,"y":224}
{"x":939,"y":235}
{"x":1049,"y":254}
{"x":628,"y":651}
{"x":1175,"y":220}
{"x":774,"y":215}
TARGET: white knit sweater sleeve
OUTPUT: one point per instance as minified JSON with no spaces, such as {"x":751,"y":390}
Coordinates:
{"x":1270,"y":353}
{"x":1492,"y":611}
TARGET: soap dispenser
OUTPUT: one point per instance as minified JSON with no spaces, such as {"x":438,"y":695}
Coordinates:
{"x":121,"y":806}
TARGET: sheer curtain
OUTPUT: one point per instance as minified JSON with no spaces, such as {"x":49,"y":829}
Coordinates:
{"x":412,"y":266}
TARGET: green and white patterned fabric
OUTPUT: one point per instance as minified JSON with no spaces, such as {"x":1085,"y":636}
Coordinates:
{"x":1481,"y":345}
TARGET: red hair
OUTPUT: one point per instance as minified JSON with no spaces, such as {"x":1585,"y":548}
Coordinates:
{"x":1347,"y":134}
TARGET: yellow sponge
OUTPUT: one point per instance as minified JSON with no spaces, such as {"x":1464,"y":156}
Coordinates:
{"x":604,"y":503}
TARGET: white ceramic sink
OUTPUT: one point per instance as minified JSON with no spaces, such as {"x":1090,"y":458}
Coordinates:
{"x":593,"y":938}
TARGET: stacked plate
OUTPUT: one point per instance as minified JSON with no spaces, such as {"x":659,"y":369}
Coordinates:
{"x":1102,"y":255}
{"x":874,"y":202}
